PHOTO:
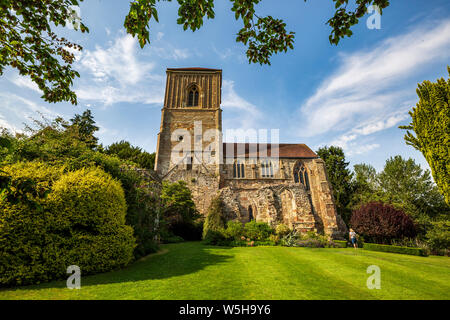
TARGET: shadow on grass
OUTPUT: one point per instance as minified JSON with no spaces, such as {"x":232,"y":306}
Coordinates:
{"x":174,"y":260}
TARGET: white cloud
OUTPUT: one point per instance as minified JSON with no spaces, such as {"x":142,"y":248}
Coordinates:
{"x":16,"y":109}
{"x":25,"y":82}
{"x":115,"y":74}
{"x":367,"y":82}
{"x":239,"y":112}
{"x":372,"y":87}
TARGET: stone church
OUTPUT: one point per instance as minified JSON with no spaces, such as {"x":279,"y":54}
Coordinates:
{"x":274,"y":183}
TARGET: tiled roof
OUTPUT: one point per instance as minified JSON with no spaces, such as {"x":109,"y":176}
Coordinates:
{"x":192,"y":69}
{"x":285,"y":150}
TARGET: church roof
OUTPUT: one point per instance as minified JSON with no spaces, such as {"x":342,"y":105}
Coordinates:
{"x":192,"y":69}
{"x":285,"y":150}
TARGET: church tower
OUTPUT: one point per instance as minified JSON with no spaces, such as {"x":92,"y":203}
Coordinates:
{"x":191,"y":117}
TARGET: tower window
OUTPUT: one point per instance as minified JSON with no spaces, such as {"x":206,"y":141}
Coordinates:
{"x":301,"y":175}
{"x":193,"y":97}
{"x":266,"y":169}
{"x":238,"y":169}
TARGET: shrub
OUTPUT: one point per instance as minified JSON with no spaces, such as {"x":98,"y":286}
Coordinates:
{"x":395,"y":249}
{"x":259,"y":231}
{"x":311,"y":243}
{"x":216,"y":237}
{"x":282,"y":230}
{"x":382,"y":223}
{"x":340,"y":244}
{"x":438,"y":238}
{"x":215,"y":221}
{"x":81,"y":222}
{"x":173,"y":239}
{"x":234,"y":230}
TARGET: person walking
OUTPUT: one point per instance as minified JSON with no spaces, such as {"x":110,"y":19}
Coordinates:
{"x":352,"y":236}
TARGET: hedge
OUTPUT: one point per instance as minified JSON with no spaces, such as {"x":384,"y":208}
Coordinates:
{"x":81,"y":222}
{"x":340,"y":243}
{"x":395,"y":249}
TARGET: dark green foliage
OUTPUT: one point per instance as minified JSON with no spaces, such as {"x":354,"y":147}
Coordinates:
{"x":125,"y":151}
{"x":382,"y":223}
{"x":395,"y":249}
{"x":86,"y":128}
{"x":81,"y":222}
{"x":28,"y":43}
{"x":59,"y":143}
{"x":257,"y":231}
{"x":438,"y":236}
{"x":189,"y":231}
{"x":234,"y":230}
{"x":215,"y":220}
{"x":340,"y":178}
{"x":431,"y":125}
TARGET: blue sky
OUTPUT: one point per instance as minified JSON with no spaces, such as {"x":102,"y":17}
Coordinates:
{"x":354,"y":95}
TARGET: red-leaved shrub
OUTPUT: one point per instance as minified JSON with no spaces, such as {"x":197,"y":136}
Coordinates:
{"x":381,"y":223}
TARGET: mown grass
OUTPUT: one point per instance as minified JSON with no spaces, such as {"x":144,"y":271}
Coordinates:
{"x":195,"y":271}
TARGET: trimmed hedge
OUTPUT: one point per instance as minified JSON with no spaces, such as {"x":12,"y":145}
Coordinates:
{"x":395,"y":249}
{"x":81,"y":222}
{"x":340,"y":243}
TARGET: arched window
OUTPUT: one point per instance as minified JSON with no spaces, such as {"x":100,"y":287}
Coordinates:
{"x":250,"y":213}
{"x":238,"y":169}
{"x":301,"y":175}
{"x":266,"y":169}
{"x":193,"y":95}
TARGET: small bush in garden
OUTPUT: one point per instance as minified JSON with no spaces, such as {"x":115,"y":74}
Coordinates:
{"x":259,"y":231}
{"x":81,"y":222}
{"x":216,"y":237}
{"x":291,"y":239}
{"x":381,"y":223}
{"x":438,"y":237}
{"x":274,"y":238}
{"x":310,"y":243}
{"x":395,"y":249}
{"x":173,"y":239}
{"x":215,"y":221}
{"x":282,"y":230}
{"x":235,"y":230}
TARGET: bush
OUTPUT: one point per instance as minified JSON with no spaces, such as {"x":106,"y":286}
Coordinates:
{"x":173,"y":239}
{"x":234,"y":230}
{"x":382,"y":223}
{"x":258,"y":231}
{"x":81,"y":222}
{"x":215,"y":221}
{"x":216,"y":237}
{"x":438,"y":238}
{"x":340,"y":244}
{"x":282,"y":230}
{"x":395,"y":249}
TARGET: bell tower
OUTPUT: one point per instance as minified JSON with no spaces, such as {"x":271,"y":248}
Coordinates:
{"x":191,"y":117}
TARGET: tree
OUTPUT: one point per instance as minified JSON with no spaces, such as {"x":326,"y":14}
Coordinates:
{"x":340,"y":178}
{"x":382,"y":223}
{"x":405,"y":184}
{"x":28,"y":43}
{"x":365,"y":184}
{"x":431,"y":125}
{"x":86,"y":128}
{"x":215,"y":220}
{"x":178,"y":204}
{"x":125,"y":151}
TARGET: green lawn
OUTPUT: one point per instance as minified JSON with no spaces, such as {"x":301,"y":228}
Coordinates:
{"x":195,"y":271}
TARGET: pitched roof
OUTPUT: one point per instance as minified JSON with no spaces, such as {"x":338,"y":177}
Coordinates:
{"x":192,"y":69}
{"x":285,"y":150}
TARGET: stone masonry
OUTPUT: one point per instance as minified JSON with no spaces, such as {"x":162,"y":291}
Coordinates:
{"x":285,"y":183}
